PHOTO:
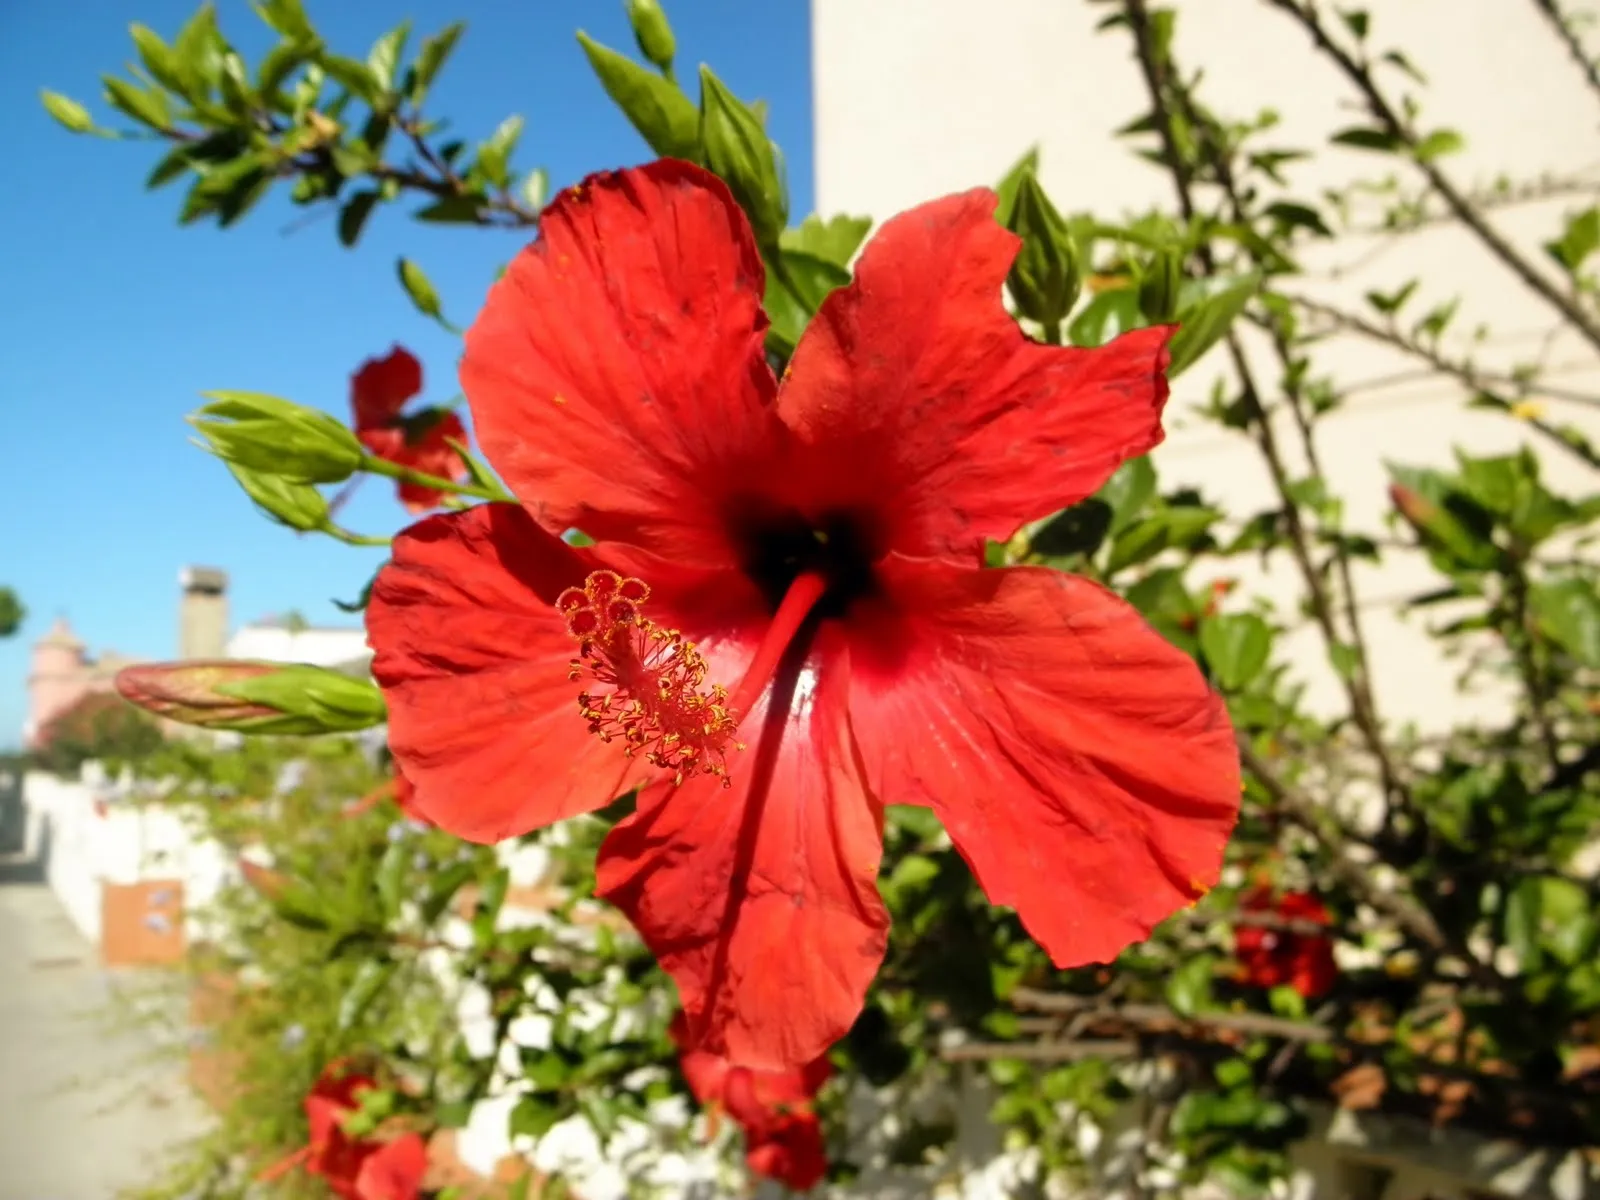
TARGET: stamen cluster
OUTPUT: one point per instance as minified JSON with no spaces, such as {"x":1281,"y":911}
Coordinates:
{"x":659,"y":702}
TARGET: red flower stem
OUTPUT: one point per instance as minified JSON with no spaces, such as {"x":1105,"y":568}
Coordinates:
{"x":808,"y":588}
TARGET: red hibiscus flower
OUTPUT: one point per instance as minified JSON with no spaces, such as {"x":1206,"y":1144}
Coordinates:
{"x":1270,"y":958}
{"x":820,"y":544}
{"x":355,"y":1168}
{"x":378,"y":391}
{"x":783,"y":1139}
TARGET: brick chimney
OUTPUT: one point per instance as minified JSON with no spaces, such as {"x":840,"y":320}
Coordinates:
{"x":202,"y":612}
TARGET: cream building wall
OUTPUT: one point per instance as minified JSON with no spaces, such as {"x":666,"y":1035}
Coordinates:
{"x":918,"y":98}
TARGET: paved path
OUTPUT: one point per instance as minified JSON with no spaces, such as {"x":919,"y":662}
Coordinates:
{"x":88,"y":1100}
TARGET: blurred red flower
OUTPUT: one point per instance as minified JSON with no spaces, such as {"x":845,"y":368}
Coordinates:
{"x":354,"y":1168}
{"x":783,"y":1139}
{"x":1271,"y":957}
{"x":421,"y":441}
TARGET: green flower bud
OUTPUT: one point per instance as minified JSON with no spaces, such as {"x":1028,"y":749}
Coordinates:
{"x":652,"y":32}
{"x":297,"y":505}
{"x":737,"y":148}
{"x":275,"y":437}
{"x":248,"y":696}
{"x":1045,"y":276}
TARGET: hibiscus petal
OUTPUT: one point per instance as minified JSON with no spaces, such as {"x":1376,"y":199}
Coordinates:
{"x":381,"y":387}
{"x":395,"y":1171}
{"x":473,"y":660}
{"x":616,"y":374}
{"x":923,"y":402}
{"x":1079,"y":761}
{"x":760,"y":899}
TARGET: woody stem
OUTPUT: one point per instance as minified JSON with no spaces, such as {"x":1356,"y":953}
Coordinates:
{"x":808,"y":588}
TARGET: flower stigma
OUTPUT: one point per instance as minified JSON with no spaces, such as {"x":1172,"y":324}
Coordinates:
{"x":659,"y":702}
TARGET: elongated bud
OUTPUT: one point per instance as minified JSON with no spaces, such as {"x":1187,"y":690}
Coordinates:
{"x":297,"y":505}
{"x":253,"y":697}
{"x":275,"y":437}
{"x":1417,"y":509}
{"x":266,"y":882}
{"x":652,"y":32}
{"x":1045,"y":277}
{"x":737,"y":148}
{"x":1158,"y":290}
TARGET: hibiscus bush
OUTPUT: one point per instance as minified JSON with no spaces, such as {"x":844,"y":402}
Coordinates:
{"x":812,"y":600}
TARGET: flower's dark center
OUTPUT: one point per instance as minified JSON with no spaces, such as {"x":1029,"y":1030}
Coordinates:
{"x":776,"y":549}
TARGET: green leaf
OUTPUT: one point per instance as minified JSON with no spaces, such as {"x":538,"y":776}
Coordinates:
{"x":536,"y":189}
{"x":836,"y":239}
{"x":391,"y":877}
{"x":1080,"y":529}
{"x":494,"y":155}
{"x":1202,"y":326}
{"x":666,"y":118}
{"x":536,"y":1113}
{"x":288,"y":17}
{"x":435,"y":50}
{"x":796,"y":289}
{"x":444,"y":889}
{"x":1548,"y":915}
{"x":1568,"y":613}
{"x":157,"y":57}
{"x":1236,"y":647}
{"x":353,"y":216}
{"x":384,"y":58}
{"x":1577,"y":241}
{"x":371,"y":978}
{"x":147,"y":107}
{"x":197,"y":53}
{"x":355,"y":77}
{"x":1439,"y":143}
{"x":452,"y":210}
{"x":1188,"y":988}
{"x":1110,"y":313}
{"x":1362,"y":138}
{"x":1159,"y":531}
{"x":1129,"y":490}
{"x":67,"y":111}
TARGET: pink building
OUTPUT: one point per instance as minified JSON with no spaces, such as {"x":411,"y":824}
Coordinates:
{"x":63,"y":672}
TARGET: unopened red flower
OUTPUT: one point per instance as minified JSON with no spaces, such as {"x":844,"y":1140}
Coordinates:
{"x":785,"y":622}
{"x":1271,"y":957}
{"x":421,"y":441}
{"x":783,"y":1138}
{"x":354,"y":1168}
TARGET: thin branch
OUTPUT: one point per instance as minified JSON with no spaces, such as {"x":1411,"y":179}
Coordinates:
{"x":1463,"y":372}
{"x":1357,"y":681}
{"x":1400,"y":129}
{"x":1569,"y":38}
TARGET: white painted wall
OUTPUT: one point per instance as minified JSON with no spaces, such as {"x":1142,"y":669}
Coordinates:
{"x":918,"y":98}
{"x":319,"y":647}
{"x":126,"y":844}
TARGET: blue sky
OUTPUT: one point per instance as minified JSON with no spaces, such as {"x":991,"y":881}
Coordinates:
{"x":116,"y":318}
